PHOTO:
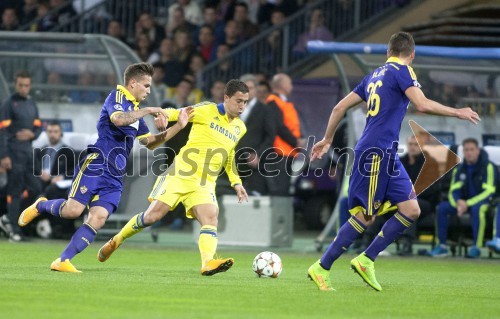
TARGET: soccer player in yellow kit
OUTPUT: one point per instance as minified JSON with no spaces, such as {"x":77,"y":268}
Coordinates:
{"x":191,"y":178}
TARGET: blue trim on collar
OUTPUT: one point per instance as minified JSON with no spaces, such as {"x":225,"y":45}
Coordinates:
{"x":220,"y":106}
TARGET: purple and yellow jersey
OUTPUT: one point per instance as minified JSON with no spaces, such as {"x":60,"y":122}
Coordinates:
{"x":209,"y":148}
{"x":115,"y":142}
{"x":384,"y":93}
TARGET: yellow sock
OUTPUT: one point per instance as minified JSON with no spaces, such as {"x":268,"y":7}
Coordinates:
{"x":133,"y":226}
{"x":207,"y":243}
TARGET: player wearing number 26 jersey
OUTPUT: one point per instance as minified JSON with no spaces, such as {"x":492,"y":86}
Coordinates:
{"x":378,"y":179}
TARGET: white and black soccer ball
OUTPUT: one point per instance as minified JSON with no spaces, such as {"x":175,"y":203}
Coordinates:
{"x":267,"y":264}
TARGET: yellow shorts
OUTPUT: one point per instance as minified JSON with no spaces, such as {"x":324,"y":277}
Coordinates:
{"x":172,"y":191}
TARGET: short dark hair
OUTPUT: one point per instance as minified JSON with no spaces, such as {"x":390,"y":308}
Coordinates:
{"x":137,"y":70}
{"x":22,"y":74}
{"x":470,"y":140}
{"x":54,"y":123}
{"x":401,"y":43}
{"x":234,"y":86}
{"x":241,"y":4}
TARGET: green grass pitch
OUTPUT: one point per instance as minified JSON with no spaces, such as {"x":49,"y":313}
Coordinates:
{"x":146,"y":281}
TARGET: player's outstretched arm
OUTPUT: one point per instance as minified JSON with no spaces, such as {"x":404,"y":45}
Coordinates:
{"x":127,"y":118}
{"x":337,"y":115}
{"x":425,"y":105}
{"x":153,"y":141}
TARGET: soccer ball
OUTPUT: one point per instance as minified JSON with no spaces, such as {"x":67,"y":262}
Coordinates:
{"x":267,"y":264}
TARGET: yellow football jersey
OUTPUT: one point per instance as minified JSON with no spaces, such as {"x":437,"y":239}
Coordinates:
{"x":210,"y":146}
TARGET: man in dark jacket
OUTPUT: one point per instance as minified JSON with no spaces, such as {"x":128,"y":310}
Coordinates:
{"x":19,"y":126}
{"x":413,"y":162}
{"x":56,"y":162}
{"x":261,"y":131}
{"x":472,"y":185}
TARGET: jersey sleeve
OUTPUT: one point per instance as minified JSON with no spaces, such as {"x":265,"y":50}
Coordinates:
{"x":173,"y":114}
{"x":142,"y":130}
{"x":406,"y":78}
{"x":114,"y":103}
{"x":360,"y":88}
{"x":231,"y":170}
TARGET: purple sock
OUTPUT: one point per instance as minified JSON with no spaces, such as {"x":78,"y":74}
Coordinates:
{"x":82,"y":238}
{"x":348,"y":233}
{"x":52,"y":207}
{"x":392,"y":228}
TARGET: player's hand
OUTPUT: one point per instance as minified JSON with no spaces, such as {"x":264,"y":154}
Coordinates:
{"x":241,"y":193}
{"x":468,"y":114}
{"x":461,"y":207}
{"x":158,"y":111}
{"x":6,"y":163}
{"x":161,"y":123}
{"x":319,"y":149}
{"x":25,"y":135}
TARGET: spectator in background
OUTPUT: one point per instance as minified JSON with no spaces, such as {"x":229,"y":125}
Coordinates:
{"x":224,"y":69}
{"x":192,"y":11}
{"x":165,"y":56}
{"x":10,"y":22}
{"x":232,"y":34}
{"x":62,"y":11}
{"x":44,"y":21}
{"x":57,"y":165}
{"x":267,"y":9}
{"x":287,"y":124}
{"x":263,"y":91}
{"x":195,"y":67}
{"x":413,"y":162}
{"x":210,"y":19}
{"x":217,"y":91}
{"x":143,"y":47}
{"x":273,"y":52}
{"x":196,"y":94}
{"x":472,"y":185}
{"x":115,"y":30}
{"x":15,"y":4}
{"x":248,"y":29}
{"x":316,"y":31}
{"x":177,"y":22}
{"x":147,"y":25}
{"x":207,"y":46}
{"x":181,"y":95}
{"x":261,"y":131}
{"x":29,"y":11}
{"x":157,"y":81}
{"x":85,"y":79}
{"x":19,"y":126}
{"x":226,"y":9}
{"x":183,"y":47}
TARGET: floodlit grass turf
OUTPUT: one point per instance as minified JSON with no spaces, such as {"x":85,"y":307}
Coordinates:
{"x":141,"y":281}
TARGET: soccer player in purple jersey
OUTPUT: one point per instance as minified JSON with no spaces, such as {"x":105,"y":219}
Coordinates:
{"x":378,"y":179}
{"x":98,"y":181}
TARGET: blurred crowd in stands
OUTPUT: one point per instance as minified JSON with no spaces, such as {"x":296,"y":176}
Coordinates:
{"x":178,"y":42}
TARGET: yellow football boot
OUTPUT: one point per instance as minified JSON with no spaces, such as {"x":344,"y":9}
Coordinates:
{"x":216,"y":265}
{"x":63,"y":266}
{"x":106,"y":250}
{"x":320,"y":276}
{"x":30,"y":213}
